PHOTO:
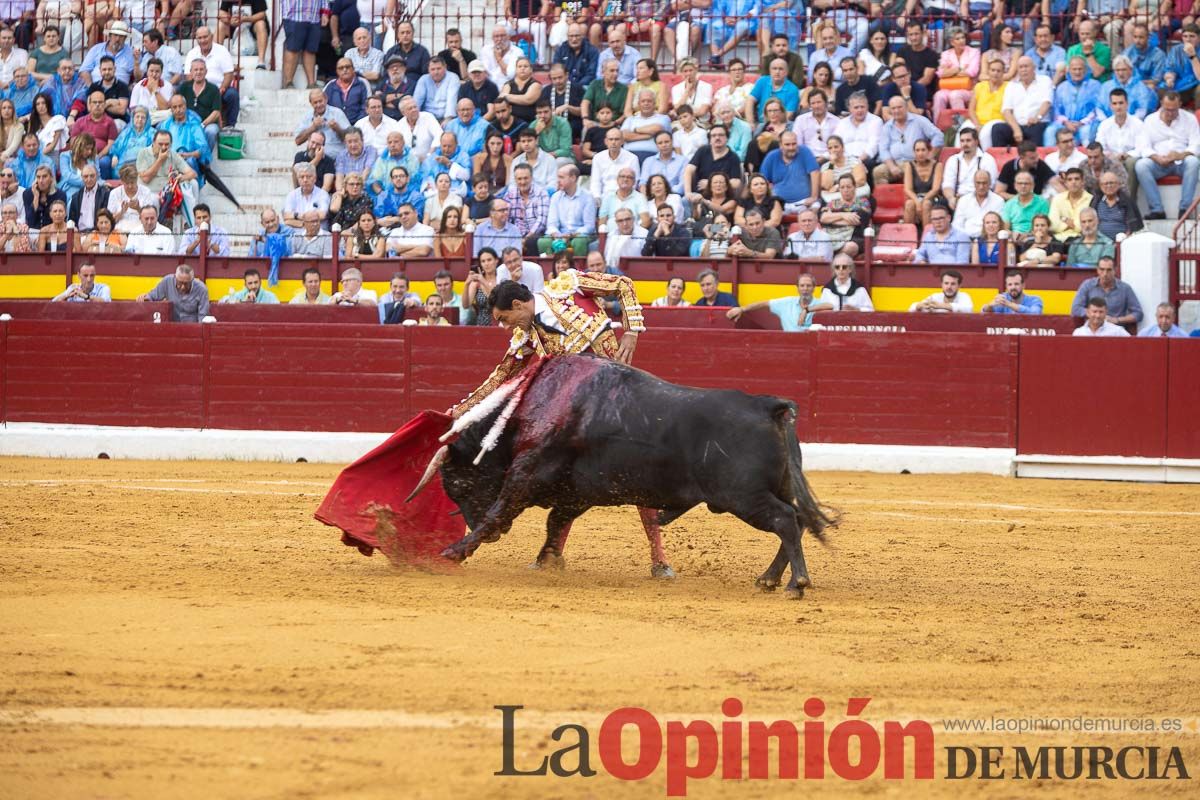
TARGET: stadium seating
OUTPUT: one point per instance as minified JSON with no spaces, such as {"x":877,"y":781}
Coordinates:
{"x":895,"y":242}
{"x":889,"y":202}
{"x":945,"y":120}
{"x":1003,"y":155}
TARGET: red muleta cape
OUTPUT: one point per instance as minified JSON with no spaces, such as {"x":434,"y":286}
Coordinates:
{"x":367,"y":500}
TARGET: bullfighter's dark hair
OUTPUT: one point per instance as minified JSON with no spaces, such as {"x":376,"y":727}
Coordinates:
{"x":508,"y":292}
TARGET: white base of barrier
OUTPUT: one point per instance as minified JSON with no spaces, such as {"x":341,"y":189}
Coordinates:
{"x":179,"y":444}
{"x":908,"y":458}
{"x":1110,"y":468}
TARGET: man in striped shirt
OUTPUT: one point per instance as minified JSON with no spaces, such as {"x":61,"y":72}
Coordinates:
{"x":529,"y":206}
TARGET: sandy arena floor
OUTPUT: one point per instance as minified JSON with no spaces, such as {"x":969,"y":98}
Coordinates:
{"x":137,"y":587}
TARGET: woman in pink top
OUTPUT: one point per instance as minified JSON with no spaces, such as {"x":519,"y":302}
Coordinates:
{"x":956,"y":74}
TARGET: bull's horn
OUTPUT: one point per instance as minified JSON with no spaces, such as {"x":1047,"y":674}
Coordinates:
{"x":435,"y":463}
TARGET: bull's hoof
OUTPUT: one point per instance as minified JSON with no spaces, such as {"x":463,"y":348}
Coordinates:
{"x":804,"y":582}
{"x":794,"y":593}
{"x":662,"y":571}
{"x":452,"y":553}
{"x":767,"y":584}
{"x":549,"y":561}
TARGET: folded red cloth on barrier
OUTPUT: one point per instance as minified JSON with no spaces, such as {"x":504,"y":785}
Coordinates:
{"x":367,"y":500}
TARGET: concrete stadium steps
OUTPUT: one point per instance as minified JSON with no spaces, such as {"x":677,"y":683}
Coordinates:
{"x":262,"y":179}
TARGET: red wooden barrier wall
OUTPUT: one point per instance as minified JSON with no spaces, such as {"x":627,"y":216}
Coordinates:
{"x":305,"y":378}
{"x":916,"y":388}
{"x":104,"y":373}
{"x":114,"y":312}
{"x":1093,"y":397}
{"x":1183,"y":398}
{"x":286,"y":312}
{"x":913,"y":388}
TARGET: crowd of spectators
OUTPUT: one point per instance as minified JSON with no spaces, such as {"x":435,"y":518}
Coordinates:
{"x":405,"y":151}
{"x":814,"y":131}
{"x":103,"y":120}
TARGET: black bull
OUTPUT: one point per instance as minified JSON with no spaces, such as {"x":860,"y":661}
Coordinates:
{"x":591,"y":432}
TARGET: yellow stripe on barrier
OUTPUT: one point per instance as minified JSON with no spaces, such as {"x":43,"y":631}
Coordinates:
{"x":31,"y":287}
{"x":893,"y":298}
{"x":128,"y":287}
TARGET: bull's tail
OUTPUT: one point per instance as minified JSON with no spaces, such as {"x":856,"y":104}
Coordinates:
{"x":810,"y":513}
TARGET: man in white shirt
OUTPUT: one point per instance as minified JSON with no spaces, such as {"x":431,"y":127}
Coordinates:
{"x":220,"y":70}
{"x":626,"y":241}
{"x":608,"y":162}
{"x":411,"y":238}
{"x":688,"y":137}
{"x":87,"y":290}
{"x":1097,"y":323}
{"x":352,"y":293}
{"x":809,"y":242}
{"x":420,"y":128}
{"x":1120,"y":136}
{"x":11,"y":57}
{"x":1170,"y":142}
{"x":949,"y":299}
{"x":624,"y":197}
{"x":376,"y":125}
{"x":814,"y":128}
{"x":1025,"y":106}
{"x":1066,"y":157}
{"x":153,"y":238}
{"x":543,"y":165}
{"x":500,"y":60}
{"x":861,"y":130}
{"x":970,"y":208}
{"x":305,"y":197}
{"x":215,"y":56}
{"x":152,"y":91}
{"x":515,"y":268}
{"x":958,"y":175}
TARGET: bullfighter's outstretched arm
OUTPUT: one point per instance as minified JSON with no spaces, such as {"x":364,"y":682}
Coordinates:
{"x":514,"y":361}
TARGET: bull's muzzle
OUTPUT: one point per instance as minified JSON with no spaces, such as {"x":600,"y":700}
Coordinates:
{"x":435,"y":464}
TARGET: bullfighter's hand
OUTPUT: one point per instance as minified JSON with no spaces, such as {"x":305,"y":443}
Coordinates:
{"x":626,"y":348}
